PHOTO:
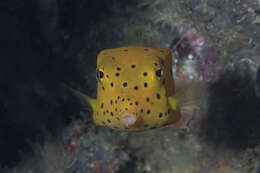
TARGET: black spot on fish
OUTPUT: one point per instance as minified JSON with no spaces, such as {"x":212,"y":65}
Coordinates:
{"x":148,"y":112}
{"x":145,"y":74}
{"x":136,"y":88}
{"x":103,"y":88}
{"x":125,"y":84}
{"x":136,"y":103}
{"x":115,"y":109}
{"x":118,"y":68}
{"x":131,"y":104}
{"x":113,"y":57}
{"x":111,"y":84}
{"x":147,"y":99}
{"x":117,"y":74}
{"x":123,"y":99}
{"x":155,"y":64}
{"x":107,"y":111}
{"x":111,"y":102}
{"x":128,"y":99}
{"x":118,"y":97}
{"x":160,"y":115}
{"x":116,"y":102}
{"x":145,"y":84}
{"x":142,"y":110}
{"x":158,"y":96}
{"x":104,"y":113}
{"x":133,"y":66}
{"x":107,"y":76}
{"x":108,"y":120}
{"x":111,"y":113}
{"x":102,"y":105}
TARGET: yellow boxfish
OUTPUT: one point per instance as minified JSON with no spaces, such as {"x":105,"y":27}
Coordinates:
{"x":135,"y":89}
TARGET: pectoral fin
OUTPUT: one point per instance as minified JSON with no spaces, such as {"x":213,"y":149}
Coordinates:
{"x":86,"y":99}
{"x":173,"y":103}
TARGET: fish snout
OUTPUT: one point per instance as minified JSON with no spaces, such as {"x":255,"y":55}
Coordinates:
{"x":129,"y":117}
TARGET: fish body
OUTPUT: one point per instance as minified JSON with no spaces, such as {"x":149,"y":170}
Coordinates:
{"x":135,"y":89}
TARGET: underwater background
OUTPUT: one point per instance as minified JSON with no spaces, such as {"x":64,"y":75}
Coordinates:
{"x":44,"y":128}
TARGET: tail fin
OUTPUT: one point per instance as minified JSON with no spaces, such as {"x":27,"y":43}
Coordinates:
{"x":86,"y":99}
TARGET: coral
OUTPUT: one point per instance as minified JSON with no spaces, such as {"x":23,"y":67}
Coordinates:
{"x":194,"y":59}
{"x":98,"y":152}
{"x":51,"y":157}
{"x":76,"y":128}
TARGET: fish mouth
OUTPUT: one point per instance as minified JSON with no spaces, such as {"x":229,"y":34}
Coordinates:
{"x":128,"y":114}
{"x":128,"y":119}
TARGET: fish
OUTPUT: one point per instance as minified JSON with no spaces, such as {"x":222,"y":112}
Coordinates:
{"x":135,"y":89}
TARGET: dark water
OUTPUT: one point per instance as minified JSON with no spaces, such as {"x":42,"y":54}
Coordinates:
{"x":35,"y":60}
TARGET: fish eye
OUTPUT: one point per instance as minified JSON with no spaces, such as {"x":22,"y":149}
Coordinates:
{"x":100,"y":74}
{"x":159,"y":73}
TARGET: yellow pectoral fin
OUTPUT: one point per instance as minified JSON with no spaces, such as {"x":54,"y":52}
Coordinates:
{"x":173,"y":103}
{"x":91,"y":101}
{"x":86,"y":99}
